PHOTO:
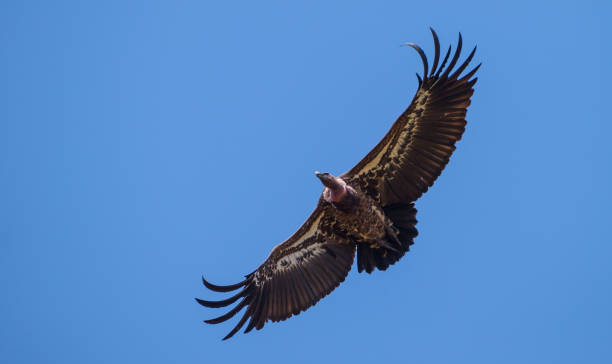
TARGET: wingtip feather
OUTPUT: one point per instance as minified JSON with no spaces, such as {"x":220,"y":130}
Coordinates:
{"x":437,"y":51}
{"x":218,"y":288}
{"x":423,"y":57}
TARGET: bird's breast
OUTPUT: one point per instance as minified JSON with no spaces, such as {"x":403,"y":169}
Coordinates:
{"x":365,"y":222}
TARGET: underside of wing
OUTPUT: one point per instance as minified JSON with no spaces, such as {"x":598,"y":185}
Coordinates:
{"x":296,"y":275}
{"x":407,"y":161}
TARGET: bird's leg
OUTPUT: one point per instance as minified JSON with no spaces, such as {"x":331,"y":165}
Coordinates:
{"x":392,"y":233}
{"x":385,"y":244}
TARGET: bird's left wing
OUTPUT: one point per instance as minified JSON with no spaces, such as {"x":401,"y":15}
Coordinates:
{"x":297,"y":274}
{"x":407,"y":161}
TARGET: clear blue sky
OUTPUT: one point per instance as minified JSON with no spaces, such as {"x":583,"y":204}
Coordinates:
{"x":143,"y":144}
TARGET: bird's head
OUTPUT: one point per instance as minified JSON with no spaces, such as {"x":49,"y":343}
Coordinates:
{"x":335,"y":188}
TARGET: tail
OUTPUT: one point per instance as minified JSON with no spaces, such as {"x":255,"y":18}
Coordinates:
{"x":403,"y":217}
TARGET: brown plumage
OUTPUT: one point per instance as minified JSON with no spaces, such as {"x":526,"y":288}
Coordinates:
{"x":369,"y":209}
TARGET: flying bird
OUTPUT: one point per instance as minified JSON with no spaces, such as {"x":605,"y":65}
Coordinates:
{"x":368,"y":210}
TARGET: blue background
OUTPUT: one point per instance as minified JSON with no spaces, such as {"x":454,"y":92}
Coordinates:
{"x":143,"y":144}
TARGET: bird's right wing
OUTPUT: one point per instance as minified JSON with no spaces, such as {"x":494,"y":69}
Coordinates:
{"x":297,"y":274}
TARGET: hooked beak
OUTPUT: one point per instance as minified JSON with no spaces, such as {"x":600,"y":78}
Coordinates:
{"x":327,"y":179}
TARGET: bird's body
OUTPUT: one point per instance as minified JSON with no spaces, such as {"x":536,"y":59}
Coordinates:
{"x":361,"y":220}
{"x":368,"y":210}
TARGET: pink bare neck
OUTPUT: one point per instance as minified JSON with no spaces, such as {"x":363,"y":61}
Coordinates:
{"x":337,"y":193}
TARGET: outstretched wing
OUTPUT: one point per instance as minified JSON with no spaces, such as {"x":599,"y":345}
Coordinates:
{"x":297,"y":274}
{"x":407,"y":161}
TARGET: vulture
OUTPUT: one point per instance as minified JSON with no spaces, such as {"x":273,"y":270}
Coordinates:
{"x":368,"y":211}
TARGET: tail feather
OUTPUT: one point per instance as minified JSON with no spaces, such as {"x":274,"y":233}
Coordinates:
{"x":403,"y":217}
